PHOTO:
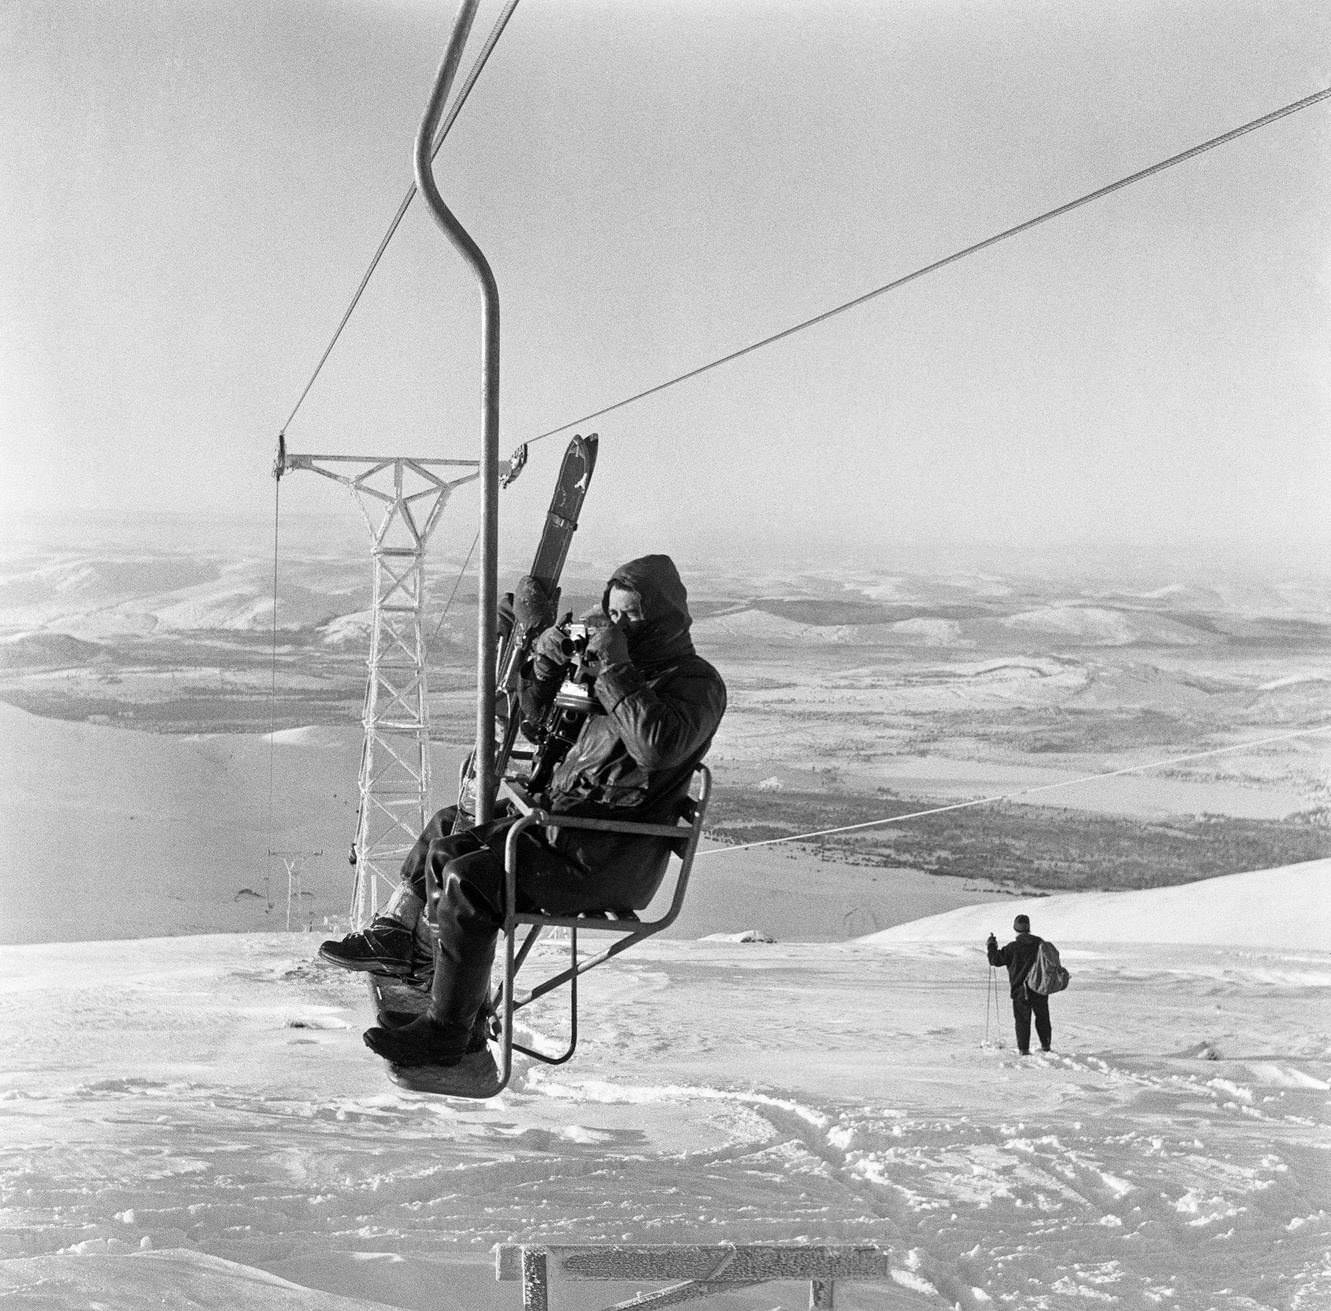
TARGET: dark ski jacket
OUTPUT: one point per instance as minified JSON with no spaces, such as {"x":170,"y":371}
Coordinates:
{"x":634,"y":759}
{"x":1019,"y":955}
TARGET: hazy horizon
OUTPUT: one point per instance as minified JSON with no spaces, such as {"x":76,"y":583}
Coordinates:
{"x":198,"y":190}
{"x":340,"y":532}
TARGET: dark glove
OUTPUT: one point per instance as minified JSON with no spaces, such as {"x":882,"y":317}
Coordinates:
{"x":533,"y":603}
{"x":550,"y":654}
{"x":607,"y":646}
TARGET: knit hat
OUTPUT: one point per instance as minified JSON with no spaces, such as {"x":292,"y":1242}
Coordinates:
{"x":1022,"y":924}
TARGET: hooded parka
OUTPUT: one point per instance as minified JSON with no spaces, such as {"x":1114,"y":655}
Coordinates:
{"x":653,"y":721}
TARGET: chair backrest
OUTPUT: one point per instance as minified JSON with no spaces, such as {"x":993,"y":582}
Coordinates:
{"x":629,"y":930}
{"x":695,"y":802}
{"x":695,"y":808}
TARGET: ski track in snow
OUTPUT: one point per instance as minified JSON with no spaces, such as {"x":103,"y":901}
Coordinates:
{"x":909,"y":1182}
{"x":723,"y":1093}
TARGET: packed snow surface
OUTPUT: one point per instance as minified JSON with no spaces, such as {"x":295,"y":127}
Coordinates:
{"x":195,"y":1122}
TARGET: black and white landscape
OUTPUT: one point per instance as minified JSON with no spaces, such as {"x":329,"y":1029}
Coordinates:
{"x":818,"y":1055}
{"x":970,"y":361}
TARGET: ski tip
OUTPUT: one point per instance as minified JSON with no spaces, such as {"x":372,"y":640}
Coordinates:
{"x":587,"y":446}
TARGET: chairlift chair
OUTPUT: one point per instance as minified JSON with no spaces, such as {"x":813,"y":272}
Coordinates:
{"x":630,"y":928}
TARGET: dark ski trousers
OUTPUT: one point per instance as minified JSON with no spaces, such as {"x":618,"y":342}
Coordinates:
{"x":1026,"y":1004}
{"x":467,"y":869}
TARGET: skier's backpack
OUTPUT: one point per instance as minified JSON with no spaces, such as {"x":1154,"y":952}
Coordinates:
{"x":1047,"y":974}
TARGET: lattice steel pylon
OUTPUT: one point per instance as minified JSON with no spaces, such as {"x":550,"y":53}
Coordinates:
{"x":401,"y":499}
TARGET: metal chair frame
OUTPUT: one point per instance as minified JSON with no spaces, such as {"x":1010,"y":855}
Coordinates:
{"x":630,"y":928}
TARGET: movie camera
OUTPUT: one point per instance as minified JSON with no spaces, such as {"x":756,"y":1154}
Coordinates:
{"x":572,"y":704}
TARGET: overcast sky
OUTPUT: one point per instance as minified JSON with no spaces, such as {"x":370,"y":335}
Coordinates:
{"x":191,"y":190}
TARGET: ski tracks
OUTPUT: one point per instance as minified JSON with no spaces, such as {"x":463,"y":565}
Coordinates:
{"x":1094,"y":1202}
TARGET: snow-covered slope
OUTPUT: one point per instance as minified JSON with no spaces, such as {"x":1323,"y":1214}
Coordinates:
{"x":1286,"y":908}
{"x":195,"y":1122}
{"x":184,"y":825}
{"x":1102,"y":626}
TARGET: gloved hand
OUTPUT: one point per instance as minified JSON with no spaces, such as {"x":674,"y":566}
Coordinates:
{"x":534,"y":604}
{"x":550,"y":654}
{"x":607,"y":645}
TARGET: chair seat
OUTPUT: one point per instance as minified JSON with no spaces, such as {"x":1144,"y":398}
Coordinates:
{"x":557,"y":919}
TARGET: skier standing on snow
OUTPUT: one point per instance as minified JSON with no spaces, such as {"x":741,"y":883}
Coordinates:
{"x":658,"y":705}
{"x":1019,"y":955}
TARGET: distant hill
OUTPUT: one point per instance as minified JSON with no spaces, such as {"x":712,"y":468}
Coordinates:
{"x":47,"y":651}
{"x":1285,"y":909}
{"x":91,"y":593}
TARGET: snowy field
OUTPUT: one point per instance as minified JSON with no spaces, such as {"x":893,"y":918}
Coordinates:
{"x":193,"y":1121}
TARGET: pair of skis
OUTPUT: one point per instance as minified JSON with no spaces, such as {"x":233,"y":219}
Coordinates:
{"x":535,"y":606}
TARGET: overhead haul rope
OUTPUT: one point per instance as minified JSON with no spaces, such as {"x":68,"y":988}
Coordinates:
{"x":927,"y":269}
{"x":491,"y":41}
{"x":1021,"y":792}
{"x":1224,"y":138}
{"x":1098,"y":194}
{"x":912,"y":277}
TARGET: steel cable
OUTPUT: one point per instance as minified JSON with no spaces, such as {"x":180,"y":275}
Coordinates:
{"x":1020,"y":792}
{"x":491,"y":41}
{"x":1098,"y":194}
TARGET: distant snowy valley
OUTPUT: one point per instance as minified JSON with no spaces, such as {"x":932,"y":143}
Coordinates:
{"x":1143,"y":731}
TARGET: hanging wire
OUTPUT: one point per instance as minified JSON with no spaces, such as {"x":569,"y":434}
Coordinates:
{"x":272,"y":695}
{"x":491,"y":41}
{"x":1021,"y":792}
{"x":457,"y":582}
{"x":1067,"y":208}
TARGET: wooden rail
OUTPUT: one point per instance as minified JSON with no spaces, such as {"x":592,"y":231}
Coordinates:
{"x":698,"y":1271}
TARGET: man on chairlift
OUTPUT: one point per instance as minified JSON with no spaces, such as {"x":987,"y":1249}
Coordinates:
{"x":651,"y":707}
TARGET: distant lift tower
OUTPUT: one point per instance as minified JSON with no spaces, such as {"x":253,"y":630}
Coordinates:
{"x":401,"y":499}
